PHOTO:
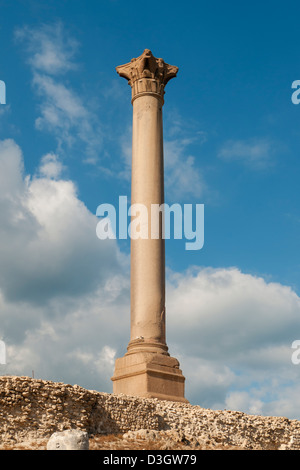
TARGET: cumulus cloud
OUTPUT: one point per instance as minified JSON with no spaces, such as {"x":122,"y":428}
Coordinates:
{"x":256,"y":312}
{"x":50,"y":166}
{"x":48,"y":240}
{"x":61,"y":288}
{"x":234,"y":332}
{"x":72,"y":340}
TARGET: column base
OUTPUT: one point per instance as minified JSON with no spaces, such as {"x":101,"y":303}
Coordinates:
{"x":150,"y":375}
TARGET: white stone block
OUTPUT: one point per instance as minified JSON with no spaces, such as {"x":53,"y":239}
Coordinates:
{"x":71,"y":439}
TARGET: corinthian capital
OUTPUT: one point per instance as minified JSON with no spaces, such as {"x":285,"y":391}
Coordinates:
{"x":146,"y":74}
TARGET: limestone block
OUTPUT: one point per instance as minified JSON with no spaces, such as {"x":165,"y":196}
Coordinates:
{"x":72,"y":439}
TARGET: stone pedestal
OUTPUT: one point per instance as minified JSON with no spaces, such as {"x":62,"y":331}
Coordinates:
{"x":147,"y":368}
{"x":149,"y":375}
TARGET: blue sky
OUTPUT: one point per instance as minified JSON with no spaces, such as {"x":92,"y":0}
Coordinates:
{"x":231,"y":136}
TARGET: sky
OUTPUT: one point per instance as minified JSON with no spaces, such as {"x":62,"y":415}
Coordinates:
{"x":231,"y":142}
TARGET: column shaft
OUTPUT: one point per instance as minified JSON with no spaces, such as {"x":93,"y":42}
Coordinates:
{"x":147,"y":255}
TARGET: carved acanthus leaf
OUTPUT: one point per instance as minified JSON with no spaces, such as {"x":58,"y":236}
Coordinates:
{"x":147,"y":66}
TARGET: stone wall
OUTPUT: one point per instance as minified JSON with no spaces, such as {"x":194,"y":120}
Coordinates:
{"x":34,"y":409}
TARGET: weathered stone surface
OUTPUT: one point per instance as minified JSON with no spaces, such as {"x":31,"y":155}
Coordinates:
{"x":72,"y":439}
{"x":55,"y":407}
{"x":147,"y":74}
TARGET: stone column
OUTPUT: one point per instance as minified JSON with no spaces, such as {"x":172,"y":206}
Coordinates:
{"x":147,"y":368}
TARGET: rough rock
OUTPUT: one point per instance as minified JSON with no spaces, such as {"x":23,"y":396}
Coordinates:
{"x":72,"y":439}
{"x":33,"y":409}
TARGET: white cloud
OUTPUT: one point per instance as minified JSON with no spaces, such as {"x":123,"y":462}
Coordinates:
{"x":50,"y":49}
{"x":61,"y":98}
{"x":63,"y":110}
{"x":12,"y":168}
{"x":74,"y":340}
{"x":234,"y":332}
{"x":182,"y":177}
{"x":257,"y":154}
{"x":62,"y":290}
{"x":48,"y":237}
{"x":125,"y":143}
{"x":50,"y":166}
{"x":244,"y":401}
{"x":236,"y":311}
{"x":64,"y":114}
